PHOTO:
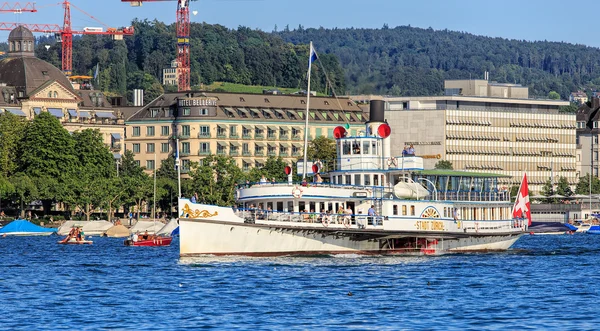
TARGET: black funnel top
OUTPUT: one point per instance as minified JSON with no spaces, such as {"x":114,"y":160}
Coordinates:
{"x":377,"y":111}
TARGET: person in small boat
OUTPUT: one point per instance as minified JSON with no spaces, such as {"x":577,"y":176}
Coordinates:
{"x":146,"y":236}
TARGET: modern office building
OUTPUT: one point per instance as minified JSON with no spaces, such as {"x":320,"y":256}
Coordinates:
{"x":587,"y":137}
{"x":476,"y":130}
{"x":170,"y":75}
{"x":248,"y":127}
{"x":29,"y":86}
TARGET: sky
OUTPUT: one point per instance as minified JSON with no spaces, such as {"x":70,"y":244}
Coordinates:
{"x":551,"y":20}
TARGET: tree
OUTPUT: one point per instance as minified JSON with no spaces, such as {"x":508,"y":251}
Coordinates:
{"x":322,"y":149}
{"x":553,"y":95}
{"x":167,"y":184}
{"x":95,"y":168}
{"x":563,"y":187}
{"x":568,"y":109}
{"x":215,"y":179}
{"x":12,"y":133}
{"x":443,"y":164}
{"x":548,"y":190}
{"x":25,"y":190}
{"x":47,"y":157}
{"x":583,"y":186}
{"x":274,"y":168}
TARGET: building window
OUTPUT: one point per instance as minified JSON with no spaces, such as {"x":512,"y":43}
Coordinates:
{"x":150,"y":148}
{"x":185,"y":164}
{"x":185,"y":130}
{"x":186,"y":112}
{"x":150,"y":131}
{"x":204,"y":131}
{"x":55,"y":94}
{"x":150,"y":164}
{"x":136,"y":131}
{"x":203,"y":111}
{"x":154,"y":112}
{"x":164,"y":130}
{"x":185,"y":148}
{"x":136,"y":148}
{"x":164,"y":147}
{"x":204,"y":148}
{"x":245,"y":149}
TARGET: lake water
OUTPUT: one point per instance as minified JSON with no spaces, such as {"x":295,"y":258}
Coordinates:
{"x":545,"y":282}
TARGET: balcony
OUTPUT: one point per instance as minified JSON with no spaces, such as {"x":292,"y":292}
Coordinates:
{"x":284,"y":154}
{"x":115,"y":147}
{"x":204,"y":135}
{"x":261,"y":153}
{"x":246,"y":153}
{"x":247,"y":136}
{"x":185,"y":170}
{"x":272,"y":137}
{"x":284,"y":137}
{"x":182,"y":136}
{"x":221,"y":152}
{"x":234,"y":136}
{"x":234,"y":153}
{"x":184,"y":153}
{"x":205,"y":152}
{"x":297,"y":137}
{"x":259,"y":136}
{"x":221,"y":135}
{"x":296,"y":153}
{"x":273,"y":153}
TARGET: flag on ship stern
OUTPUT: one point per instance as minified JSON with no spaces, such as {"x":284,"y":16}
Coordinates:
{"x":522,"y":207}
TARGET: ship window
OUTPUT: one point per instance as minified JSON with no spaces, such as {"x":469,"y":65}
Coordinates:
{"x":312,"y":206}
{"x":290,"y":206}
{"x":445,"y":212}
{"x":347,"y":147}
{"x":279,"y":206}
{"x":395,"y":211}
{"x":412,"y":210}
{"x":368,"y":180}
{"x":322,"y":207}
{"x":301,"y":206}
{"x":270,"y":205}
{"x":357,"y":180}
{"x":366,"y":147}
{"x":376,"y":180}
{"x":348,"y":180}
{"x":403,"y":210}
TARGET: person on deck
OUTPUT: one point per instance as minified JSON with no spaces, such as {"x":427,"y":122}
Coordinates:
{"x":371,"y":214}
{"x":411,"y":150}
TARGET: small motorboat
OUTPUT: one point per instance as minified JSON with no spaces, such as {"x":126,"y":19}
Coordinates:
{"x":153,"y":241}
{"x":73,"y":241}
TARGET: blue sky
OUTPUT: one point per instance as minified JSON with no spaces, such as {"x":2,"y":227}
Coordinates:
{"x":551,"y":20}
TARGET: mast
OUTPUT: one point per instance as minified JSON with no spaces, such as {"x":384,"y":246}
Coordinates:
{"x":304,"y":166}
{"x":154,"y":198}
{"x":178,"y":165}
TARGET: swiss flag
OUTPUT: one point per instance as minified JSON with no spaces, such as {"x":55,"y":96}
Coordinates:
{"x":522,"y":207}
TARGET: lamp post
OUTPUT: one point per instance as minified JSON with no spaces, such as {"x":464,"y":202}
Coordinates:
{"x":118,"y":161}
{"x":435,"y":196}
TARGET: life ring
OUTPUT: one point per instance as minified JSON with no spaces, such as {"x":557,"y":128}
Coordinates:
{"x":392,"y":161}
{"x":325,"y":221}
{"x":438,"y":156}
{"x":297,"y":192}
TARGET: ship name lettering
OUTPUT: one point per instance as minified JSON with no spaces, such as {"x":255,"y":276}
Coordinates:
{"x":430,"y":225}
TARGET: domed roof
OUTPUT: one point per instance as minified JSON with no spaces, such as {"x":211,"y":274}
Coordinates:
{"x":20,"y":33}
{"x":27,"y":74}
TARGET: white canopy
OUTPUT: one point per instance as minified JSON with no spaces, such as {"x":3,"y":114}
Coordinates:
{"x":142,"y":226}
{"x":168,"y":228}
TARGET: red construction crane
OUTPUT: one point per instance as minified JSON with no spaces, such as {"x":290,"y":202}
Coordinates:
{"x":16,"y":7}
{"x":66,"y":33}
{"x":183,"y":39}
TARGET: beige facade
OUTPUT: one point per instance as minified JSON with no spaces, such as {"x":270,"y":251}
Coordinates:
{"x":248,"y":127}
{"x":483,"y":88}
{"x":496,"y":135}
{"x":170,"y":75}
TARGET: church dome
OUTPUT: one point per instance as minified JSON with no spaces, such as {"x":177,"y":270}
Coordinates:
{"x":22,"y":70}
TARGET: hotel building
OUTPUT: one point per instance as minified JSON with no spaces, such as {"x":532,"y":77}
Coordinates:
{"x":487,"y":127}
{"x":248,"y":127}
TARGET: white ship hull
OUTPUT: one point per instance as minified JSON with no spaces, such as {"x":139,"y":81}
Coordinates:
{"x":223,"y":233}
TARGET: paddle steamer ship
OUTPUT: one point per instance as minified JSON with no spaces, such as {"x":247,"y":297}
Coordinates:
{"x":416,"y":211}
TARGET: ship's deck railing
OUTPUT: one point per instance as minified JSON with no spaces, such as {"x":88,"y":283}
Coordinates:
{"x":356,"y":221}
{"x":386,"y":191}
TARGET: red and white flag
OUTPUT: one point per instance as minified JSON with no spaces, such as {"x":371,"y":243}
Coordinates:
{"x":522,"y":207}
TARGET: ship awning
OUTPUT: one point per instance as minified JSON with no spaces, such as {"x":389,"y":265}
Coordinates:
{"x":15,"y":111}
{"x":73,"y":112}
{"x":104,"y":114}
{"x":56,"y":112}
{"x":37,"y":110}
{"x":116,"y":136}
{"x":84,"y":114}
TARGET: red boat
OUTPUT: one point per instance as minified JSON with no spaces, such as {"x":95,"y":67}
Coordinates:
{"x":154,"y":241}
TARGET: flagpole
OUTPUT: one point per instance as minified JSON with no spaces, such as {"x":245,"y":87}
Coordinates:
{"x":154,"y":199}
{"x":307,"y":114}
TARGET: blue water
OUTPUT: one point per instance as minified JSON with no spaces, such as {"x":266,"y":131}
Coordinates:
{"x":546,"y":282}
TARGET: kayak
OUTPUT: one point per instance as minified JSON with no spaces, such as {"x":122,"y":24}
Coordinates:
{"x":73,"y":241}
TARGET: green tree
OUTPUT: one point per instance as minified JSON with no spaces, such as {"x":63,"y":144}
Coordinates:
{"x":273,"y":168}
{"x":24,"y":189}
{"x":47,"y":157}
{"x":572,"y":109}
{"x":167,"y":184}
{"x":322,"y":149}
{"x":215,"y":179}
{"x":553,"y":95}
{"x":12,"y":133}
{"x":443,"y":164}
{"x":583,"y":186}
{"x":548,"y":190}
{"x":563,"y":187}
